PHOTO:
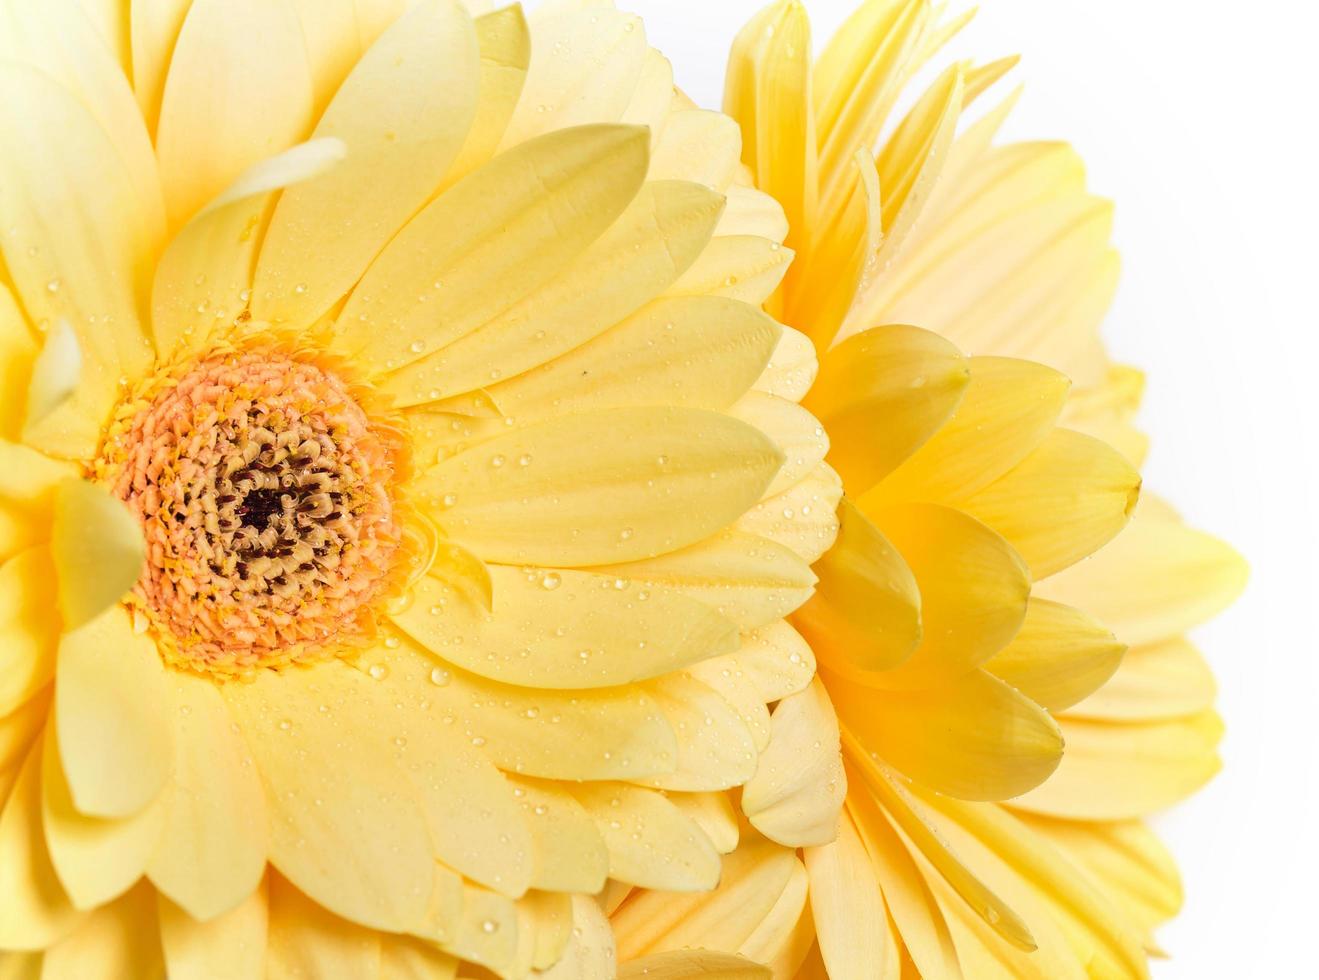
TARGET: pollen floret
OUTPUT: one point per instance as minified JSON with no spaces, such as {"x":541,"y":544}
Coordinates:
{"x":265,"y":491}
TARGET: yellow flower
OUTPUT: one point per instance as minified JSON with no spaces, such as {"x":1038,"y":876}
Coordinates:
{"x":968,"y":654}
{"x":392,"y":487}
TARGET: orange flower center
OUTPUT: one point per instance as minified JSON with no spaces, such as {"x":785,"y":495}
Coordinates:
{"x":267,"y":498}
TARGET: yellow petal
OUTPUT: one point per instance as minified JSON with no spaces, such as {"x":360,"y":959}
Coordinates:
{"x":798,"y":434}
{"x":773,"y":660}
{"x":866,"y":611}
{"x":697,"y":145}
{"x":154,"y":30}
{"x":1059,"y":656}
{"x":405,"y":958}
{"x":751,"y":581}
{"x":404,"y":113}
{"x":1155,"y":580}
{"x":768,"y":92}
{"x":571,"y":855}
{"x":714,"y":814}
{"x":204,"y":278}
{"x":1118,"y":771}
{"x":98,"y":550}
{"x":742,"y":267}
{"x":77,"y":242}
{"x":974,"y":738}
{"x":116,"y":743}
{"x":752,"y":212}
{"x":973,"y":589}
{"x":1007,"y":410}
{"x":488,"y":932}
{"x":18,"y":732}
{"x":501,"y":233}
{"x":882,"y":395}
{"x":803,"y":519}
{"x":797,"y":792}
{"x":18,"y":351}
{"x":1126,"y":861}
{"x":118,"y":940}
{"x":1162,"y":680}
{"x":681,"y":964}
{"x":37,"y":911}
{"x":305,"y":940}
{"x":337,"y":33}
{"x":716,"y":749}
{"x":28,"y":481}
{"x":556,"y":616}
{"x":590,"y":954}
{"x":848,"y":907}
{"x":232,"y":945}
{"x":97,"y":860}
{"x":585,"y":67}
{"x":214,"y":794}
{"x":56,"y":373}
{"x":1062,"y":502}
{"x":755,"y":877}
{"x":603,"y":487}
{"x":29,"y":633}
{"x":549,"y":734}
{"x":651,"y":842}
{"x":656,"y":237}
{"x":699,"y":352}
{"x":238,"y":91}
{"x":505,"y":44}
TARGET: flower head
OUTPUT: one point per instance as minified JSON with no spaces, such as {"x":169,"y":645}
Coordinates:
{"x":392,"y":485}
{"x":976,"y":664}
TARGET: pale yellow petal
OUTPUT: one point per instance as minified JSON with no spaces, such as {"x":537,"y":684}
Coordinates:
{"x":1059,"y":656}
{"x":98,"y":550}
{"x":651,"y":842}
{"x":96,"y":859}
{"x":752,"y":212}
{"x":797,"y":792}
{"x":570,"y":853}
{"x":56,"y":373}
{"x":37,"y":911}
{"x":1160,"y":680}
{"x":232,"y":945}
{"x":1061,"y":503}
{"x":1114,"y":771}
{"x":683,"y":964}
{"x":404,"y":113}
{"x":29,"y":634}
{"x":1155,"y":580}
{"x":973,"y":589}
{"x":28,"y":482}
{"x":585,"y":66}
{"x":714,"y":814}
{"x":554,"y":617}
{"x":505,"y":44}
{"x":974,"y":738}
{"x":121,"y":939}
{"x":697,"y":145}
{"x":116,"y":743}
{"x":305,"y":940}
{"x":204,"y":278}
{"x":18,"y":352}
{"x":698,"y":352}
{"x":405,"y":958}
{"x":591,"y":953}
{"x":1007,"y":410}
{"x":602,"y":487}
{"x":238,"y":91}
{"x":803,"y":519}
{"x":742,"y":267}
{"x":848,"y":907}
{"x":338,"y":33}
{"x":77,"y":241}
{"x":154,"y":30}
{"x":750,"y":580}
{"x":882,"y":395}
{"x":214,"y":794}
{"x":716,"y":749}
{"x":866,"y":611}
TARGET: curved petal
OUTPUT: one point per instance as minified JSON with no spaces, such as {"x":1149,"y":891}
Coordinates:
{"x":98,"y":550}
{"x":602,"y":487}
{"x":232,"y":945}
{"x":116,"y":744}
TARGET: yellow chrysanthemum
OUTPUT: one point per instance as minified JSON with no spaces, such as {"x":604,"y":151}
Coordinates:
{"x":401,"y":488}
{"x":957,"y":665}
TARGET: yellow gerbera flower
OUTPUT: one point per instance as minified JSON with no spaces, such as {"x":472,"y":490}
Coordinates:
{"x":957,"y":666}
{"x":393,"y":484}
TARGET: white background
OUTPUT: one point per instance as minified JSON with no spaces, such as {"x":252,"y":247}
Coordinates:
{"x":1198,"y":117}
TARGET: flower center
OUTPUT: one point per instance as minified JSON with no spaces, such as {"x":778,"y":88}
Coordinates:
{"x":267,"y":498}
